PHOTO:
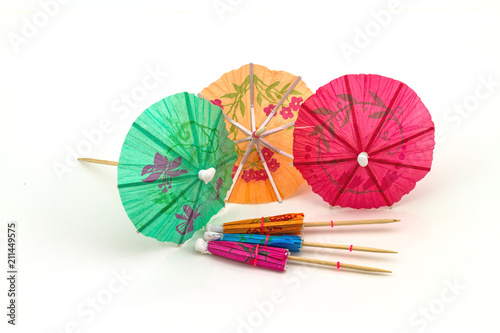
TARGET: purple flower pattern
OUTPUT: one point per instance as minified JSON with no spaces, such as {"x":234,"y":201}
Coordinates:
{"x":164,"y":170}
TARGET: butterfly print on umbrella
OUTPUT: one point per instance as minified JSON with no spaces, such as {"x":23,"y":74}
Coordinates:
{"x":189,"y":216}
{"x":164,"y":170}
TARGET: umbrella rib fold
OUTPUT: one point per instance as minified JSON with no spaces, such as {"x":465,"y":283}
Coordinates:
{"x":347,"y":145}
{"x":192,"y":121}
{"x":335,"y":161}
{"x":237,"y":124}
{"x":382,"y":120}
{"x":381,"y":191}
{"x":248,"y":138}
{"x":186,"y":176}
{"x":405,"y":140}
{"x":164,"y":209}
{"x":347,"y":181}
{"x":240,"y":167}
{"x":353,"y":115}
{"x":337,"y":137}
{"x":276,"y":149}
{"x":252,"y":108}
{"x":277,"y":129}
{"x":409,"y":166}
{"x":212,"y":136}
{"x":267,"y":133}
{"x":162,"y":144}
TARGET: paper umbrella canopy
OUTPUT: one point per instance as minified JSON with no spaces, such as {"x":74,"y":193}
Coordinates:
{"x":292,"y":243}
{"x":175,"y":167}
{"x":261,"y":256}
{"x":260,"y":107}
{"x":363,"y":141}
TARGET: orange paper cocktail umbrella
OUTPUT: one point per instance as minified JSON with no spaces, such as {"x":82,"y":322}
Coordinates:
{"x":260,"y":107}
{"x":284,"y":224}
{"x":289,"y":224}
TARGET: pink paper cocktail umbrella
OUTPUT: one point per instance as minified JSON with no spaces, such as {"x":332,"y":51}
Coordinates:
{"x":262,"y":256}
{"x":363,"y":141}
{"x":267,"y":256}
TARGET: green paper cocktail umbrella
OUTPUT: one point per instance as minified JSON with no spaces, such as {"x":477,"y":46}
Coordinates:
{"x":175,"y":167}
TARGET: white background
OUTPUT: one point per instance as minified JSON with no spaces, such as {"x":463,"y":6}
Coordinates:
{"x":67,"y":74}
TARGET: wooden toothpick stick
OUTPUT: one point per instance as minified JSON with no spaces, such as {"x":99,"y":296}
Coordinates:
{"x":356,"y":222}
{"x":96,"y":161}
{"x":338,"y":264}
{"x":347,"y":247}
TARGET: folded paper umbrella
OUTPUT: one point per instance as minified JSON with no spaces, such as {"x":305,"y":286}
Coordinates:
{"x":274,"y":258}
{"x":260,"y":107}
{"x":363,"y":141}
{"x":289,"y":224}
{"x":292,"y":243}
{"x":175,"y":167}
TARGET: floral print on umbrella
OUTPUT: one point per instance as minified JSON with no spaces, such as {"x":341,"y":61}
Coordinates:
{"x":257,"y":172}
{"x":217,"y":102}
{"x":218,"y":186}
{"x":265,"y":94}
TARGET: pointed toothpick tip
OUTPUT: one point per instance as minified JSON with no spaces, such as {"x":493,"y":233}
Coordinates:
{"x":365,"y":269}
{"x":390,"y":220}
{"x":376,"y":250}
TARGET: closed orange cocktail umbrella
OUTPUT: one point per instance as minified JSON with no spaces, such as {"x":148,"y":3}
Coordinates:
{"x":285,"y":224}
